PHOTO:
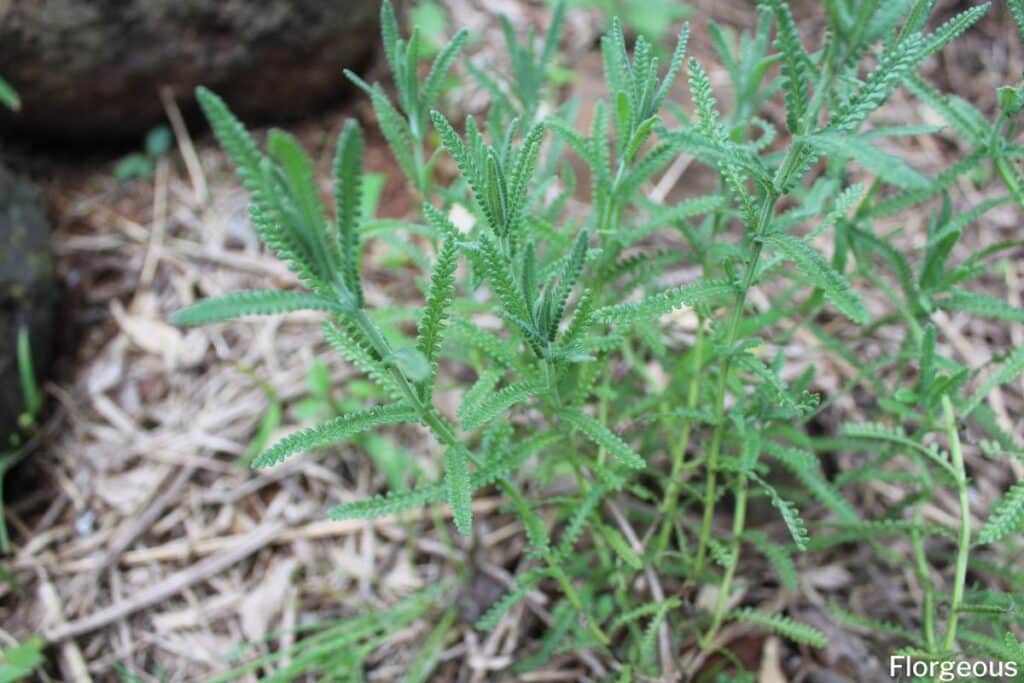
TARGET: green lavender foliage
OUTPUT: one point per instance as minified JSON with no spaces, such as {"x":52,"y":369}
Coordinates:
{"x":404,"y":123}
{"x":793,"y":630}
{"x":1007,"y":516}
{"x":338,"y":647}
{"x":516,"y":96}
{"x":15,"y":446}
{"x":9,"y":96}
{"x":587,"y":382}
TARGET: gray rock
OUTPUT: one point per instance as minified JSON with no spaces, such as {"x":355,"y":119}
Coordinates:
{"x":28,"y":290}
{"x":91,"y":70}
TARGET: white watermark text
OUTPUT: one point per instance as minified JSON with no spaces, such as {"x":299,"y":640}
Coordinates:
{"x":904,"y":667}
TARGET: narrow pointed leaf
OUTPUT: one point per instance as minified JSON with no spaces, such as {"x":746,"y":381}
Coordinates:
{"x":475,"y":416}
{"x":822,"y":275}
{"x":435,"y":316}
{"x":334,"y":431}
{"x":254,"y":302}
{"x":658,"y":304}
{"x":1007,"y":516}
{"x":348,"y":184}
{"x":603,"y":437}
{"x":457,"y":485}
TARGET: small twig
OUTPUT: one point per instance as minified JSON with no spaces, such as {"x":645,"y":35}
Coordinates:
{"x":185,"y":146}
{"x":156,"y":234}
{"x":72,"y":663}
{"x":669,"y":179}
{"x":136,"y":526}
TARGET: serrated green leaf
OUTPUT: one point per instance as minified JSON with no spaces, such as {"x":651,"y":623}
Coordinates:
{"x":889,"y":168}
{"x":476,"y":416}
{"x":822,"y":275}
{"x":622,"y":548}
{"x":955,"y":27}
{"x":1007,"y":515}
{"x":603,"y":437}
{"x":252,"y":302}
{"x":348,"y":180}
{"x":872,"y":431}
{"x":353,"y":349}
{"x":567,"y":278}
{"x":434,"y":319}
{"x":267,"y":211}
{"x":391,"y":503}
{"x":782,"y":625}
{"x":1017,"y":10}
{"x":457,"y":487}
{"x":1005,"y":372}
{"x":296,"y":199}
{"x":497,"y":272}
{"x":334,"y":431}
{"x":439,"y":69}
{"x":661,"y":303}
{"x":894,"y":67}
{"x":981,"y":304}
{"x":795,"y":61}
{"x":523,"y":585}
{"x":579,"y":519}
{"x":805,"y":466}
{"x":393,"y":126}
{"x":789,"y":512}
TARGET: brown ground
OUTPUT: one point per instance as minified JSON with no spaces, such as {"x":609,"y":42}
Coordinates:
{"x":137,"y":532}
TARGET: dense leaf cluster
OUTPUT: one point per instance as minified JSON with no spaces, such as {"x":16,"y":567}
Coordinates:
{"x":564,"y":389}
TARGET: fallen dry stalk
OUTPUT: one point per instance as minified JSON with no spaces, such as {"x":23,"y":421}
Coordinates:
{"x":184,"y":549}
{"x":72,"y":663}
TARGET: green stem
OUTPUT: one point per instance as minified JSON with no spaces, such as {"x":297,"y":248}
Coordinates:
{"x":924,"y":576}
{"x":739,"y":521}
{"x":444,"y":433}
{"x":964,"y":543}
{"x":788,"y":166}
{"x":5,"y":540}
{"x":671,"y":499}
{"x":574,"y":599}
{"x":602,"y":412}
{"x":710,"y":493}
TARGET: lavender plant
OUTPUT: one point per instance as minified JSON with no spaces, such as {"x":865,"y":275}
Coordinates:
{"x":657,"y":476}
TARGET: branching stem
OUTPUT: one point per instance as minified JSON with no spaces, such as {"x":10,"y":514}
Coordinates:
{"x":710,"y":494}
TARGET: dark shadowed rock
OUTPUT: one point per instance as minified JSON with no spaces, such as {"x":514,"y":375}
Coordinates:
{"x":91,"y":70}
{"x":28,"y":289}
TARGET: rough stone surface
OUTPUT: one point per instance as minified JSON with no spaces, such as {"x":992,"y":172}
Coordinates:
{"x":91,"y":70}
{"x":28,"y":289}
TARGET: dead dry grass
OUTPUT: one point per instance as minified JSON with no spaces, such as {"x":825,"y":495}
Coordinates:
{"x":139,"y":539}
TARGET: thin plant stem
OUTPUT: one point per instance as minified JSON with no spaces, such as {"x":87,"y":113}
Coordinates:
{"x":671,"y":499}
{"x":710,"y":494}
{"x":739,"y":521}
{"x":5,"y":540}
{"x":788,"y":167}
{"x":964,"y":541}
{"x":921,"y":564}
